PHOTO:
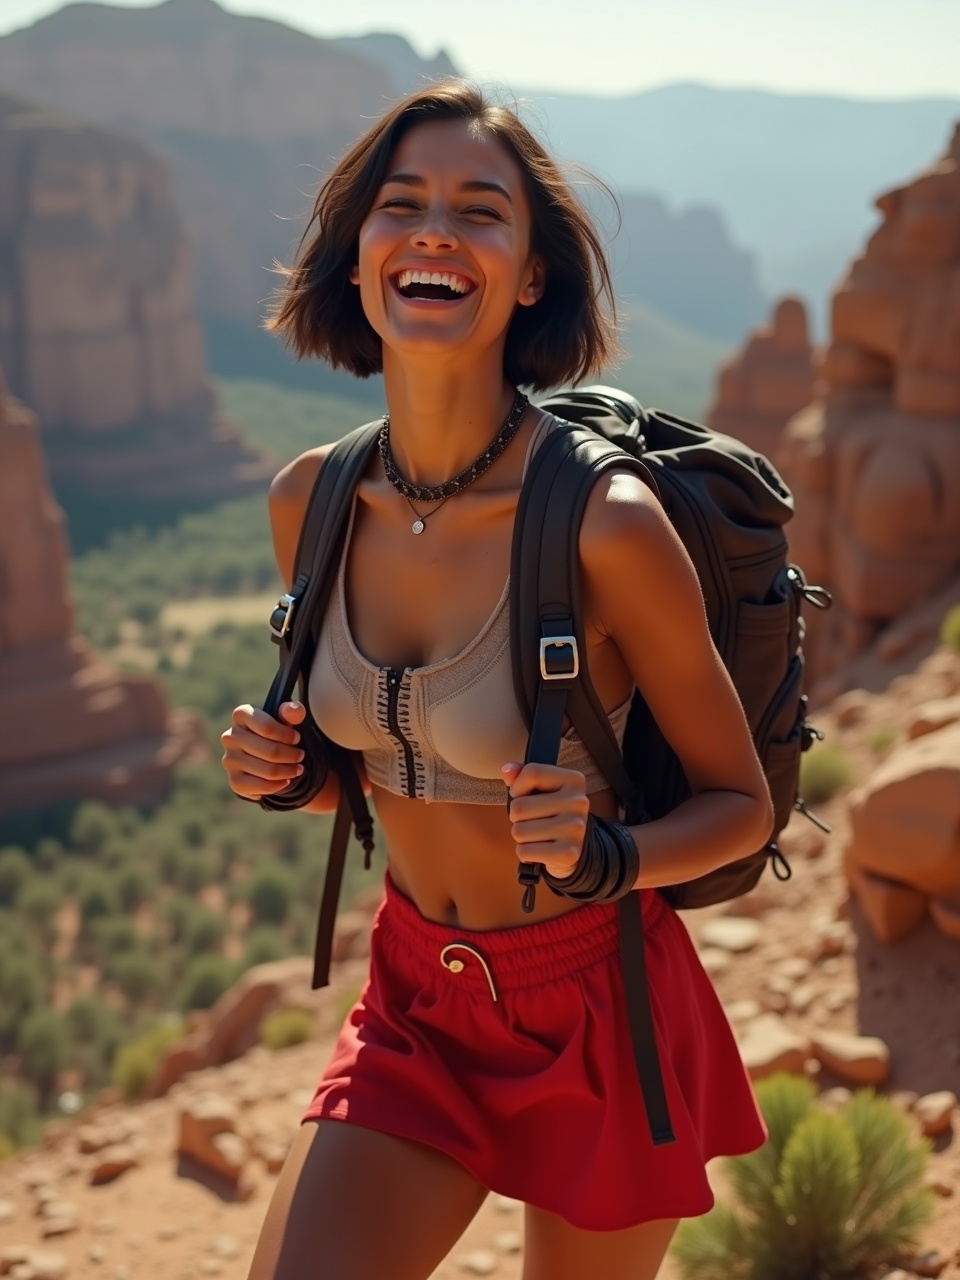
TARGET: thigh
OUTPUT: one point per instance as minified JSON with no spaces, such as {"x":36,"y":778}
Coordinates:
{"x":354,"y":1204}
{"x":554,"y":1250}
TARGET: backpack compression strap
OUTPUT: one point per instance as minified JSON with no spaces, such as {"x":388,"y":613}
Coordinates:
{"x":548,"y":641}
{"x":292,"y":623}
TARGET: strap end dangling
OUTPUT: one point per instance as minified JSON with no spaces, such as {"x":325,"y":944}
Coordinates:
{"x":529,"y":876}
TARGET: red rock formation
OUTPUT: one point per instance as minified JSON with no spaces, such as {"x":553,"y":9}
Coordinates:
{"x":70,"y":725}
{"x":98,"y":328}
{"x":761,"y":387}
{"x":875,"y":462}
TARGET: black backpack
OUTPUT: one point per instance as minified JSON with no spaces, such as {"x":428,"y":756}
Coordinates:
{"x":729,"y":506}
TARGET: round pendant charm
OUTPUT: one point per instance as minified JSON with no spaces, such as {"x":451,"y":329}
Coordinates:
{"x":418,"y":526}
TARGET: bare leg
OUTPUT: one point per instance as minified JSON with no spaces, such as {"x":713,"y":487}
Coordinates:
{"x":556,"y":1251}
{"x":354,"y":1204}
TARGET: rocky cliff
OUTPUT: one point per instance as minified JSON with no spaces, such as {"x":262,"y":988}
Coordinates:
{"x":763,"y":385}
{"x":70,"y":725}
{"x":99,"y":332}
{"x":875,"y":461}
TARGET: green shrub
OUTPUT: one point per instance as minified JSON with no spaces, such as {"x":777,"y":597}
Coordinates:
{"x":7,"y":1146}
{"x":881,"y":740}
{"x":19,"y":1121}
{"x":205,"y":981}
{"x":205,"y":931}
{"x":97,"y":898}
{"x":133,"y":882}
{"x":269,"y":891}
{"x":39,"y":902}
{"x":116,"y":935}
{"x":15,"y":872}
{"x":138,"y":976}
{"x":824,"y":770}
{"x":136,"y":1063}
{"x":264,"y":944}
{"x":21,"y":990}
{"x":950,"y":628}
{"x":42,"y":1046}
{"x":286,"y":1027}
{"x":827,"y":1196}
{"x":93,"y":824}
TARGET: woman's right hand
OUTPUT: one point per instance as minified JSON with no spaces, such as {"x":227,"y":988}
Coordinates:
{"x":260,"y":754}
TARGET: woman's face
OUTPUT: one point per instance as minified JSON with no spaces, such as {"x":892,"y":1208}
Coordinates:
{"x":445,"y":250}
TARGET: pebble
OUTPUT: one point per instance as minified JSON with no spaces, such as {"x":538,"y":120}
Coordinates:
{"x":714,"y":960}
{"x":802,"y":997}
{"x":731,"y":933}
{"x":167,"y":1231}
{"x":59,"y":1226}
{"x":6,"y":1210}
{"x":134,"y":1242}
{"x":104,"y":1226}
{"x":938,"y":1185}
{"x":795,"y":967}
{"x":225,"y":1247}
{"x":211,"y":1267}
{"x":120,"y":1272}
{"x":836,"y":1099}
{"x":935,"y":1112}
{"x":743,"y":1010}
{"x":836,"y":999}
{"x":481,"y":1262}
{"x":96,"y":1252}
{"x":768,"y":1045}
{"x":48,"y":1266}
{"x":859,"y":1059}
{"x":508,"y":1241}
{"x":927,"y":1264}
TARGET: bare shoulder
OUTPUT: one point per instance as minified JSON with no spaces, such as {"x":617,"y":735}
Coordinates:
{"x":289,"y":495}
{"x":624,"y":521}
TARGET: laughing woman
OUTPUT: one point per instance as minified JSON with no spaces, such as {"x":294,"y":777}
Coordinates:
{"x":490,"y":1050}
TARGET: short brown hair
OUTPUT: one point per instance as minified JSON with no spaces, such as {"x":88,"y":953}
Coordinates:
{"x":564,"y":337}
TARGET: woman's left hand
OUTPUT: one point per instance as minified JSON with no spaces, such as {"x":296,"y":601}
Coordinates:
{"x":549,"y":810}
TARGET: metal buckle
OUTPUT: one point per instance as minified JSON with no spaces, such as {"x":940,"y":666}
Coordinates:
{"x":559,"y":642}
{"x":285,"y":603}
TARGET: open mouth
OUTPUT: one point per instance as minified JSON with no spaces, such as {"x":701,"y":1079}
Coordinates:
{"x":432,"y":286}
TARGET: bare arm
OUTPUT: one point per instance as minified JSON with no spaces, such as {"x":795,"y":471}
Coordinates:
{"x":642,"y":591}
{"x":261,"y":754}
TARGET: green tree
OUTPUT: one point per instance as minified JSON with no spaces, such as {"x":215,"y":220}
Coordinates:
{"x":138,"y":976}
{"x":39,"y":903}
{"x":264,"y":943}
{"x":42,"y":1046}
{"x":206,"y":931}
{"x":205,"y":981}
{"x":269,"y":892}
{"x":93,"y":824}
{"x":15,"y":872}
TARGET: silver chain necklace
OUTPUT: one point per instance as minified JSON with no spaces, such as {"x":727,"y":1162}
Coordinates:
{"x":439,"y":493}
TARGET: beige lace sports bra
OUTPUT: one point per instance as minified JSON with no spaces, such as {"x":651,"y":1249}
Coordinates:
{"x":439,"y":732}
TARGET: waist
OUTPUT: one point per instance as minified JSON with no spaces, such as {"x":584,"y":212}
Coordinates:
{"x":527,"y":955}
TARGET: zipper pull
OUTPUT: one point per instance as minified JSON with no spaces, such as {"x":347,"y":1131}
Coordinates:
{"x":801,"y":806}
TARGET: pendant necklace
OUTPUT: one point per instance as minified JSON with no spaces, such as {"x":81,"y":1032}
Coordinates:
{"x":439,"y":493}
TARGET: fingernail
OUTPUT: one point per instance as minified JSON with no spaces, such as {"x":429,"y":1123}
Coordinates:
{"x":299,"y":768}
{"x":296,"y":737}
{"x":300,"y":755}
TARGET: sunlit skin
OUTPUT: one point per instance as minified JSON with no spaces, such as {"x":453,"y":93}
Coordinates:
{"x":455,"y":201}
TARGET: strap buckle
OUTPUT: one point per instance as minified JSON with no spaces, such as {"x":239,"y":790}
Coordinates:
{"x":281,"y":620}
{"x":564,"y":662}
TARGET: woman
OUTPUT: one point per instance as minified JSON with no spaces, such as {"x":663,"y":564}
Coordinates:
{"x":490,"y":1048}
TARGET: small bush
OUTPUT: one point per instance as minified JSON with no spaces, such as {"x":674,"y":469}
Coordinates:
{"x":19,"y":1122}
{"x":138,"y":976}
{"x":882,"y":740}
{"x":205,"y":981}
{"x":42,"y":1045}
{"x":93,"y":824}
{"x":286,"y":1027}
{"x":205,"y":931}
{"x":950,"y":628}
{"x":269,"y":892}
{"x":826,"y":1196}
{"x":264,"y":944}
{"x":15,"y":872}
{"x":824,"y":770}
{"x":97,"y":898}
{"x":136,"y":1063}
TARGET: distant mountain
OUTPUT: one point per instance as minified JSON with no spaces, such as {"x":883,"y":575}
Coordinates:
{"x":249,"y":114}
{"x":793,"y":177}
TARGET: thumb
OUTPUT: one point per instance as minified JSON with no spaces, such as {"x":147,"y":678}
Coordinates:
{"x":510,"y":772}
{"x":291,"y":712}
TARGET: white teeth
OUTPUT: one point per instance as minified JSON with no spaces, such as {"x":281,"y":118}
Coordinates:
{"x":457,"y":283}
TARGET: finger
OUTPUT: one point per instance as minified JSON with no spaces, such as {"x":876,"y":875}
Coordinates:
{"x":241,"y":763}
{"x":559,"y":862}
{"x":549,"y":804}
{"x":246,"y":742}
{"x":292,"y":712}
{"x":545,"y":777}
{"x":566,"y":836}
{"x":251,"y":787}
{"x":256,"y":718}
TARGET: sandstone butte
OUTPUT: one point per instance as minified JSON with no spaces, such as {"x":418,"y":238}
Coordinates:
{"x":70,"y":724}
{"x":762,"y":386}
{"x":874,"y":462}
{"x":99,"y":332}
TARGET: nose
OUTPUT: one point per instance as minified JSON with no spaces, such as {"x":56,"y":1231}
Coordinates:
{"x":435,"y":231}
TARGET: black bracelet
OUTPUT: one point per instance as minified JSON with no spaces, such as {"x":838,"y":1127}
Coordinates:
{"x":608,"y":866}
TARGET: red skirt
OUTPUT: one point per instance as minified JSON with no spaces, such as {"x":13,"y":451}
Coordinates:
{"x":510,"y":1051}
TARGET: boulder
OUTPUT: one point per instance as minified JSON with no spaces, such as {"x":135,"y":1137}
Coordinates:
{"x":935,"y":1112}
{"x":904,"y":845}
{"x":767,"y":1045}
{"x":934,"y":714}
{"x":208,"y":1135}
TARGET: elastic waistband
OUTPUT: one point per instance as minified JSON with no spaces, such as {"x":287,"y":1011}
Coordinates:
{"x":521,"y":956}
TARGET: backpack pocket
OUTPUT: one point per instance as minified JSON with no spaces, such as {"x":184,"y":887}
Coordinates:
{"x":767,"y":637}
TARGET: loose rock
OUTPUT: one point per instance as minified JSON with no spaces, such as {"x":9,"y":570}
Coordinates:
{"x":479,"y":1263}
{"x":859,"y":1059}
{"x":508,"y":1241}
{"x":6,"y":1210}
{"x":935,"y":1112}
{"x":731,"y":933}
{"x":111,"y":1162}
{"x":768,"y":1045}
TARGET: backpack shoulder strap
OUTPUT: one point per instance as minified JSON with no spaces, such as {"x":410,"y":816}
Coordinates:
{"x":546,"y":613}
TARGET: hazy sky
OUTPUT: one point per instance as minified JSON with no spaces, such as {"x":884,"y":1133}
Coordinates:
{"x":853,"y":48}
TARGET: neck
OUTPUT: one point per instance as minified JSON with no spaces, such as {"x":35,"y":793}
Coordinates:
{"x":441,"y":418}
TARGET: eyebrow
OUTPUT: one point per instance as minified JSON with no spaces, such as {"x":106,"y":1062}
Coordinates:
{"x":473,"y":185}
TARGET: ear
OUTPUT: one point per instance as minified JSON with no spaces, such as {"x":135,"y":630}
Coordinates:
{"x":531,"y":291}
{"x":354,"y":276}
